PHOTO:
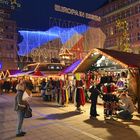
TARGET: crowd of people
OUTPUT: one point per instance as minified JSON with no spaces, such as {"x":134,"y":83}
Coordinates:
{"x":63,"y":92}
{"x":7,"y":84}
{"x":77,"y":92}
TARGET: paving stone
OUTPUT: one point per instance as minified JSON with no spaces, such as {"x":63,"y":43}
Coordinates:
{"x":50,"y":122}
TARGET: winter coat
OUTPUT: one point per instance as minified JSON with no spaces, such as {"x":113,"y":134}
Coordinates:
{"x":94,"y":94}
{"x":19,"y":103}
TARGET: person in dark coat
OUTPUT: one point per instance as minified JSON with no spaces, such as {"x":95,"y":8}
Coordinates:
{"x":7,"y":86}
{"x":93,"y":97}
{"x":43,"y":87}
{"x":20,"y":107}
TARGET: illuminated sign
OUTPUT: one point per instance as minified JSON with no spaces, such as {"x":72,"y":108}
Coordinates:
{"x":76,"y":12}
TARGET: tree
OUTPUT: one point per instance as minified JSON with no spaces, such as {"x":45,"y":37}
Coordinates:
{"x":124,"y":40}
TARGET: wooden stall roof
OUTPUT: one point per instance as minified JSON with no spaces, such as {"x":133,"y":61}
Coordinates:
{"x":123,"y":58}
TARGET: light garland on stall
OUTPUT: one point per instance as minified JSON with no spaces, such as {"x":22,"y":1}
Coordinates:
{"x":83,"y":61}
{"x":113,"y":59}
{"x":102,"y":53}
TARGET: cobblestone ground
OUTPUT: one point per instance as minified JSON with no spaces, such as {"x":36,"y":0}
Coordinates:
{"x":50,"y":122}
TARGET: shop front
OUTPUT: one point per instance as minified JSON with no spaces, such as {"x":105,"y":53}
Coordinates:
{"x":116,"y":72}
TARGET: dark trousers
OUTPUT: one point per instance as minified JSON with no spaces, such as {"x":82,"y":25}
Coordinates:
{"x":124,"y":114}
{"x":93,"y":111}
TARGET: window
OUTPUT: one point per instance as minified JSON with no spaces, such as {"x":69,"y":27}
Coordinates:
{"x":115,"y":29}
{"x":137,"y":9}
{"x":130,"y":12}
{"x":8,"y":55}
{"x":130,"y":25}
{"x":125,"y":14}
{"x":6,"y":27}
{"x":131,"y":38}
{"x":111,"y":31}
{"x":138,"y":36}
{"x":12,"y":47}
{"x":11,"y":37}
{"x":12,"y":55}
{"x":138,"y":22}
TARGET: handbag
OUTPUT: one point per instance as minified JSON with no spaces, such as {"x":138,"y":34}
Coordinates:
{"x":26,"y":95}
{"x":28,"y":112}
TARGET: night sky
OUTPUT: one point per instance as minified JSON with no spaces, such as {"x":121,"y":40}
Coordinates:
{"x":36,"y":14}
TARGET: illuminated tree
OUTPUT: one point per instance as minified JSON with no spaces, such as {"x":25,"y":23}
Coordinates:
{"x":124,"y":40}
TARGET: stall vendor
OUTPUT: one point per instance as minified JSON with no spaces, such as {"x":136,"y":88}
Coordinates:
{"x":126,"y":107}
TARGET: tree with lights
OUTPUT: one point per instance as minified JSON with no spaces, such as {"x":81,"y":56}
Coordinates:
{"x":124,"y":40}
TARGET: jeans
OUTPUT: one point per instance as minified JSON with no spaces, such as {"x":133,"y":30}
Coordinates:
{"x":20,"y":119}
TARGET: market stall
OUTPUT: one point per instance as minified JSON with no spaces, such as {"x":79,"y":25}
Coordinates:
{"x":116,"y":65}
{"x":36,"y":78}
{"x":68,"y":71}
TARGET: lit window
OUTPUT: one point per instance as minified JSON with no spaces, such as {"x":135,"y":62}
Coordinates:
{"x":52,"y":67}
{"x":111,"y":31}
{"x":58,"y":67}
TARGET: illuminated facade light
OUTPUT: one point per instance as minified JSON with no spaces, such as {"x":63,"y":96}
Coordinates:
{"x":34,"y":39}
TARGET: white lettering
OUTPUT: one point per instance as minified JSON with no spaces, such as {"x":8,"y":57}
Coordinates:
{"x":81,"y":14}
{"x":76,"y":12}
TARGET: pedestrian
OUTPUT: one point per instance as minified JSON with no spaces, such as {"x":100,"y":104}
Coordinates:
{"x":93,"y":97}
{"x":1,"y":84}
{"x":20,"y":107}
{"x":79,"y":96}
{"x":43,"y":88}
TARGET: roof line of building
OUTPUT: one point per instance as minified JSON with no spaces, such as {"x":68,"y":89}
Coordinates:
{"x":122,"y":9}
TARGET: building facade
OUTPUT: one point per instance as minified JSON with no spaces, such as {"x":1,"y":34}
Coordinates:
{"x":8,"y":39}
{"x":121,"y":10}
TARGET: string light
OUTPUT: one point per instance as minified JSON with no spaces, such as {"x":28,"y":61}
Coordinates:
{"x":102,"y":53}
